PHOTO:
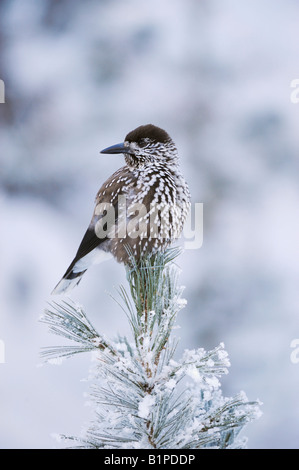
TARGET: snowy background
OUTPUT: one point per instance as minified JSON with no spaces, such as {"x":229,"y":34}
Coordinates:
{"x":216,"y":75}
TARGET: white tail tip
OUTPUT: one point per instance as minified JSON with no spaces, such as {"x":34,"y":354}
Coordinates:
{"x":65,"y":285}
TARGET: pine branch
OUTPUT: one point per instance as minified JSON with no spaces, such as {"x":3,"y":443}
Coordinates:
{"x":68,"y":320}
{"x":143,"y":397}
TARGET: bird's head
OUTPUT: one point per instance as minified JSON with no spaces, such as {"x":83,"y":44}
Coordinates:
{"x":146,"y":145}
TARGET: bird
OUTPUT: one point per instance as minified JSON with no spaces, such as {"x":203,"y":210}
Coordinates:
{"x":140,"y":209}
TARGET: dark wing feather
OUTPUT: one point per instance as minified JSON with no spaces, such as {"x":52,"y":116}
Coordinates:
{"x":108,"y":194}
{"x":89,"y":242}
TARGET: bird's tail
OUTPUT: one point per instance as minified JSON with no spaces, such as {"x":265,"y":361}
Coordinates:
{"x":75,"y":271}
{"x":67,"y":283}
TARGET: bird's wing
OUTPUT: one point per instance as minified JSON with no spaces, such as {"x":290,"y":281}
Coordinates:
{"x":106,"y":200}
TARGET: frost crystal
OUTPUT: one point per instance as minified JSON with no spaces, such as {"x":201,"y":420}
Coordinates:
{"x":144,"y":406}
{"x":142,"y":396}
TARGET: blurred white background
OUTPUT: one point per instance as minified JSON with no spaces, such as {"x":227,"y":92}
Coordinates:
{"x":215,"y":74}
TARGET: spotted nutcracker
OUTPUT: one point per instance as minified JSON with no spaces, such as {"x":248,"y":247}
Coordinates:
{"x":139,"y":210}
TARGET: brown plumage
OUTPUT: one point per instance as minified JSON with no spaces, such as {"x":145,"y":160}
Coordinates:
{"x":140,"y":209}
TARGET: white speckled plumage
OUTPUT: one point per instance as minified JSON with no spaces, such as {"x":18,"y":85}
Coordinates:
{"x":149,"y":191}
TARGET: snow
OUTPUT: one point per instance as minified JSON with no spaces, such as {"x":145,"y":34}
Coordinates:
{"x":194,"y":374}
{"x":216,"y":75}
{"x":144,"y":406}
{"x":170,"y":385}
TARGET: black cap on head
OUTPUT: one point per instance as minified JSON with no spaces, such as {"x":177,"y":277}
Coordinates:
{"x":149,"y":131}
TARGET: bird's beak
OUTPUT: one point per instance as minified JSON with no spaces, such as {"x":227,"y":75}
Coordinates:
{"x":118,"y":148}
